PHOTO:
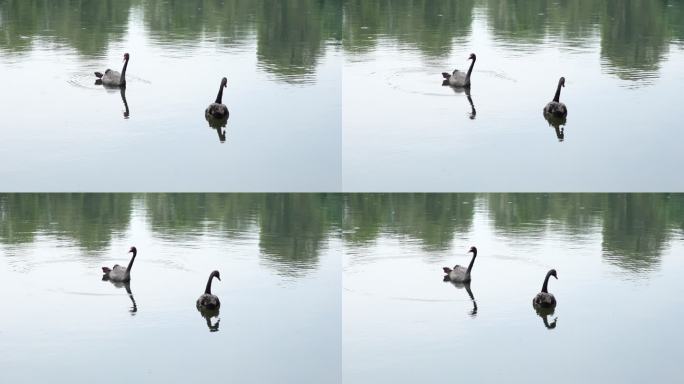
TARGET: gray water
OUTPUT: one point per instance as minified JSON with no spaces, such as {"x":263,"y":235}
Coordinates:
{"x":341,"y":95}
{"x":403,"y":131}
{"x":619,"y":265}
{"x":280,"y":289}
{"x":61,"y":132}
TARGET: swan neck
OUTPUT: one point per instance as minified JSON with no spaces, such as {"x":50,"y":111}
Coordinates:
{"x":472,"y":261}
{"x":208,"y":289}
{"x":123,"y":72}
{"x":470,"y":70}
{"x":130,"y":263}
{"x":556,"y":97}
{"x":545,"y":287}
{"x":219,"y":97}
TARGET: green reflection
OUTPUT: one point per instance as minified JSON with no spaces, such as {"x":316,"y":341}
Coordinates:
{"x":87,"y":26}
{"x":91,"y":220}
{"x":434,"y":219}
{"x":428,"y":25}
{"x":292,"y":229}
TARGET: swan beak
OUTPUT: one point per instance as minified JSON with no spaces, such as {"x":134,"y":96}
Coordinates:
{"x":218,"y":277}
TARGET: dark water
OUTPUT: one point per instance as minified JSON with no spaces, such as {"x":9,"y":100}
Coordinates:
{"x":403,"y":131}
{"x":280,"y":288}
{"x":61,"y":132}
{"x":619,"y":292}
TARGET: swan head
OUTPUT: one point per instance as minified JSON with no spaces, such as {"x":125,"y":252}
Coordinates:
{"x":472,"y":56}
{"x":562,"y":81}
{"x":216,"y":274}
{"x":473,"y":250}
{"x":553,"y":273}
{"x":126,"y":56}
{"x":224,"y":84}
{"x":132,"y":250}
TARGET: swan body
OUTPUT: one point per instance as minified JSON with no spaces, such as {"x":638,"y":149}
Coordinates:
{"x":460,"y":274}
{"x":555,"y":108}
{"x":208,"y":301}
{"x":111,"y":78}
{"x":458,"y":78}
{"x":118,"y":273}
{"x":544,"y":299}
{"x":217,"y":109}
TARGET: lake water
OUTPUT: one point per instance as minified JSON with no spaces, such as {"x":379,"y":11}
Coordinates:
{"x":280,"y":288}
{"x":341,"y":95}
{"x":403,"y":131}
{"x":61,"y":132}
{"x":619,"y":291}
{"x":332,"y":288}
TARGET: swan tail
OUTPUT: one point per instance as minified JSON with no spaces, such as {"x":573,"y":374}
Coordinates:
{"x":445,"y":83}
{"x":446,"y":75}
{"x":447,"y":270}
{"x":99,"y":75}
{"x":106,"y":270}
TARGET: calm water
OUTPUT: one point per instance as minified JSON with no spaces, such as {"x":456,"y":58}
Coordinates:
{"x":341,"y":95}
{"x":619,"y":291}
{"x":325,"y":288}
{"x":403,"y":131}
{"x":279,"y":258}
{"x":61,"y":132}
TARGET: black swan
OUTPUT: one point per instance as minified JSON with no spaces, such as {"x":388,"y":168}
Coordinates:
{"x":555,"y":108}
{"x":208,"y":300}
{"x":460,"y":274}
{"x":119,"y":273}
{"x":113,"y":78}
{"x":458,"y":78}
{"x":217,"y":109}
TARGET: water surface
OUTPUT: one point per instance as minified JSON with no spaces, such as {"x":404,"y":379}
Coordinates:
{"x":619,"y":289}
{"x":61,"y":132}
{"x":280,"y":288}
{"x":403,"y":131}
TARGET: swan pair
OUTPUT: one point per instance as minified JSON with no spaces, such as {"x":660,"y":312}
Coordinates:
{"x":457,"y":79}
{"x":216,"y":110}
{"x":119,"y":274}
{"x":460,"y":274}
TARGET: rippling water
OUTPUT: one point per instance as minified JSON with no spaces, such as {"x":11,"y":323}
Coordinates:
{"x":61,"y":132}
{"x":280,"y":292}
{"x":325,"y":288}
{"x":403,"y":131}
{"x":618,"y":259}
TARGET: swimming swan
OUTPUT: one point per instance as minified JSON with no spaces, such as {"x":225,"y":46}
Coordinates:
{"x":217,"y":109}
{"x":119,"y":273}
{"x":460,"y":274}
{"x":113,"y":78}
{"x":544,"y":299}
{"x":207,"y":300}
{"x":458,"y":78}
{"x":555,"y":108}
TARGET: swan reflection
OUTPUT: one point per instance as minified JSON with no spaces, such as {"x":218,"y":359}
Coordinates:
{"x":473,"y":312}
{"x":127,"y":112}
{"x":473,"y":113}
{"x":544,"y":313}
{"x":219,"y":125}
{"x":212,"y":318}
{"x":558,"y":123}
{"x":127,"y":286}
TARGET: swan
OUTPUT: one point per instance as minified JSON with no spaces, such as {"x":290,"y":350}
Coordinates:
{"x":544,"y":299}
{"x":207,"y":300}
{"x":113,"y":78}
{"x":555,"y":108}
{"x":457,"y":78}
{"x":217,"y":109}
{"x":119,"y":273}
{"x":460,"y":274}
